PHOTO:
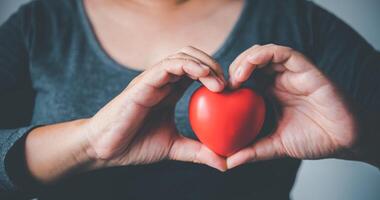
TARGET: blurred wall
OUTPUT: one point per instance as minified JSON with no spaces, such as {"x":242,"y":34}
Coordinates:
{"x":324,"y":179}
{"x":7,"y":7}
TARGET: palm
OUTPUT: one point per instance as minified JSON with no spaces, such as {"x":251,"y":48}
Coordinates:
{"x":153,"y":141}
{"x":140,"y":121}
{"x":314,"y":122}
{"x":159,"y":139}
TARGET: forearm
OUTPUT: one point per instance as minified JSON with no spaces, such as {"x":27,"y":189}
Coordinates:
{"x":56,"y":151}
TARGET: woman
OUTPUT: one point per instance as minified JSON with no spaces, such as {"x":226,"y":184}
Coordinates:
{"x":95,"y":95}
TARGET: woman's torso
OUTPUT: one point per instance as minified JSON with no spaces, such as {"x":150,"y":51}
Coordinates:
{"x":73,"y":77}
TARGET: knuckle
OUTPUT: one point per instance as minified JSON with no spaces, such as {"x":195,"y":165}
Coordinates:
{"x":178,"y":54}
{"x":179,"y":58}
{"x":283,"y":48}
{"x":277,"y":49}
{"x":187,"y":48}
{"x":182,"y":54}
{"x":195,"y":158}
{"x":164,"y":64}
{"x":187,"y":61}
{"x":105,"y":153}
{"x":252,"y":155}
{"x":172,"y":154}
{"x":165,"y":61}
{"x":288,"y":49}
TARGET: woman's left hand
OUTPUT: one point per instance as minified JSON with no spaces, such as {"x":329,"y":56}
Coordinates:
{"x":315,"y":120}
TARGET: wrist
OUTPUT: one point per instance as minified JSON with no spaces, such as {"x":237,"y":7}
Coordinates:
{"x":56,"y":151}
{"x":90,"y":158}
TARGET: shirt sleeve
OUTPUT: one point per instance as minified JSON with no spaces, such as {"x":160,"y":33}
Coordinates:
{"x":352,"y":64}
{"x":16,"y":101}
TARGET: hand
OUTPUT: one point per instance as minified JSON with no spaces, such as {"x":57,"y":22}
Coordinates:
{"x":137,"y":127}
{"x":315,"y":121}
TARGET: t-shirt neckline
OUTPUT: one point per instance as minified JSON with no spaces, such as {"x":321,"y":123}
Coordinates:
{"x":102,"y":53}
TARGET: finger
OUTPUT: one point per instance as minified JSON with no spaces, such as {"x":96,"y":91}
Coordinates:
{"x":209,"y":80}
{"x":184,"y":56}
{"x":188,"y":150}
{"x":213,"y":80}
{"x":150,"y":87}
{"x":162,"y":74}
{"x":260,"y":57}
{"x":245,"y":69}
{"x":238,"y":59}
{"x":289,"y":58}
{"x":234,"y":65}
{"x":275,"y":54}
{"x":265,"y":149}
{"x":153,"y":85}
{"x":205,"y":59}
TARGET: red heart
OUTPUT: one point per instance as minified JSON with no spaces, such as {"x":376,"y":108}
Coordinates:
{"x":228,"y":121}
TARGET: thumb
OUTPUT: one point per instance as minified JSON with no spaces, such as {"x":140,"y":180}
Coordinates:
{"x":188,"y":150}
{"x":267,"y":148}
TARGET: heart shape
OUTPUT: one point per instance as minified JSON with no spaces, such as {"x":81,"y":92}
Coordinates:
{"x":227,"y":121}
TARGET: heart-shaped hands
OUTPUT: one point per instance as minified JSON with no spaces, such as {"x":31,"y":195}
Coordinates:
{"x":137,"y":127}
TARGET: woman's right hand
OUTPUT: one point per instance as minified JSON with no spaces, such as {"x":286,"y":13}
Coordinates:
{"x":137,"y":127}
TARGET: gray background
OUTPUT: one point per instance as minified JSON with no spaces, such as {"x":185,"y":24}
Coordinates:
{"x":323,"y":179}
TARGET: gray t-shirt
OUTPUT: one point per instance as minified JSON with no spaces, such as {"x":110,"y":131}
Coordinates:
{"x":53,"y":69}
